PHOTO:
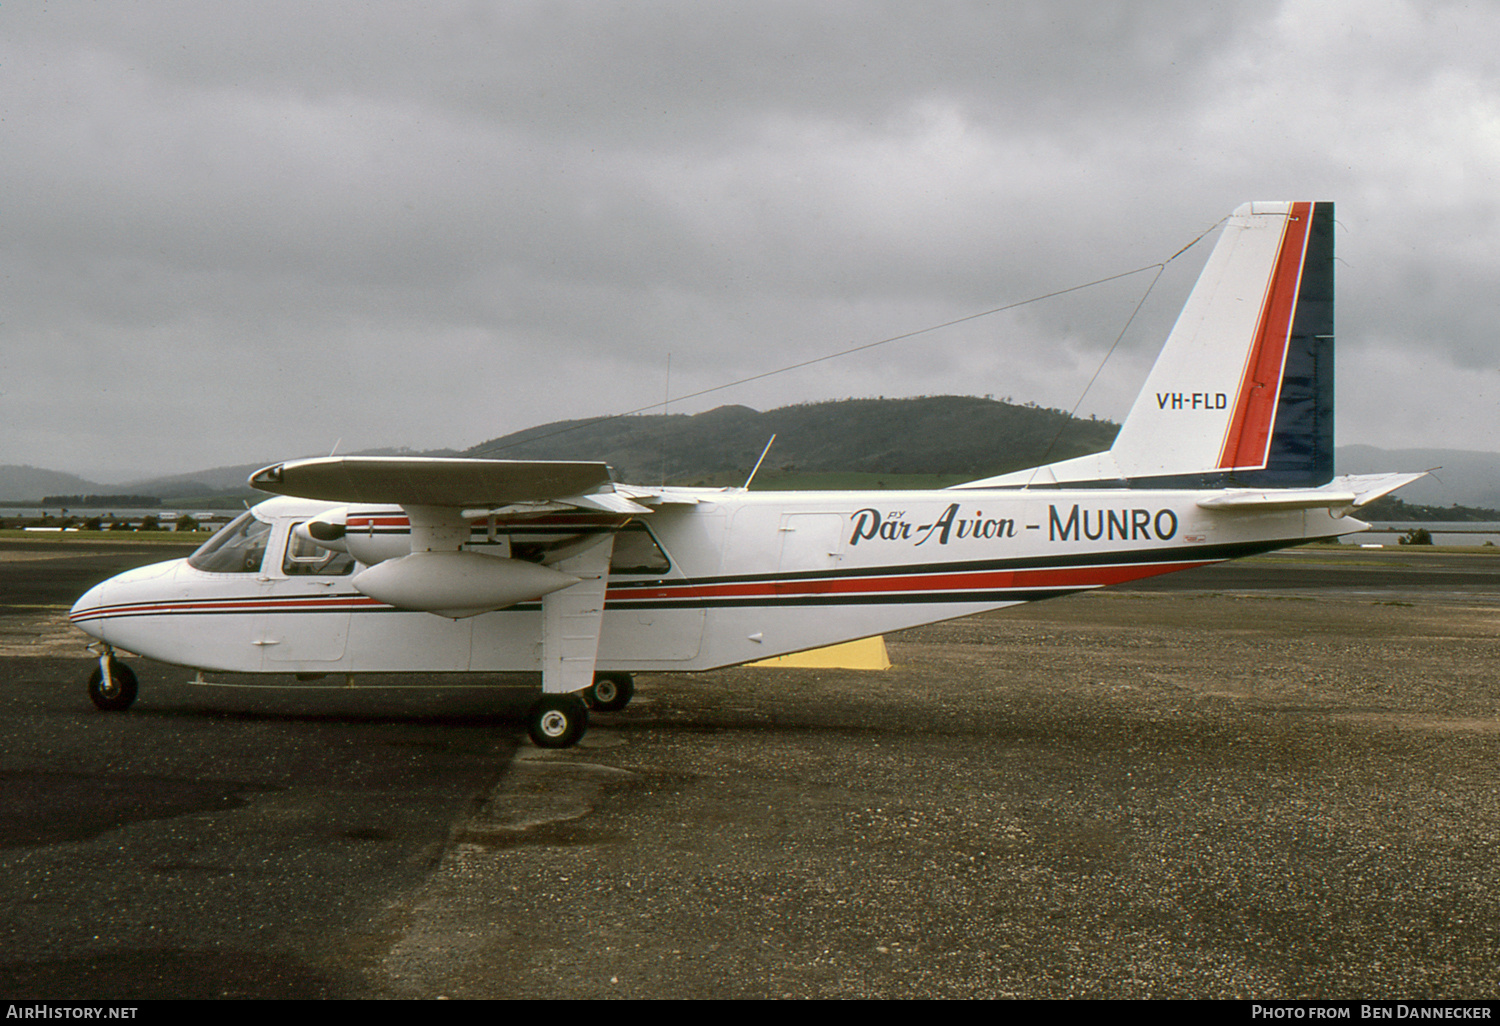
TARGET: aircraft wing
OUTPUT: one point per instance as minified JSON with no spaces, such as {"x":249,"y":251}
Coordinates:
{"x":431,"y":569}
{"x":453,"y":483}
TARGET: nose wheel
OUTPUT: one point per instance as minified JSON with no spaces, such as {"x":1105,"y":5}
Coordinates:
{"x":112,"y":685}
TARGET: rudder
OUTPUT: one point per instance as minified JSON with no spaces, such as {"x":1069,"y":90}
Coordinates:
{"x":1241,"y":395}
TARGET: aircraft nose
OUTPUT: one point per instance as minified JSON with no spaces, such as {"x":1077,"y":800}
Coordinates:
{"x":85,"y":614}
{"x":95,"y":607}
{"x":89,"y":614}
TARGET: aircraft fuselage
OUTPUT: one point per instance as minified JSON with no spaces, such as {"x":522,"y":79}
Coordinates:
{"x":732,"y":577}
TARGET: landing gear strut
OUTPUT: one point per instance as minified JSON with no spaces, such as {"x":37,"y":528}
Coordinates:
{"x":112,"y":685}
{"x":557,"y":721}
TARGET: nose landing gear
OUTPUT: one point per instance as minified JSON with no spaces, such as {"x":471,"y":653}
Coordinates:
{"x":112,"y":685}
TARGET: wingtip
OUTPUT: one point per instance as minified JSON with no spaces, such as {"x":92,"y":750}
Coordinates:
{"x":267,"y":479}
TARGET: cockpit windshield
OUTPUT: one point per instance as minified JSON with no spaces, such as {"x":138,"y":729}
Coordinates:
{"x":237,"y":548}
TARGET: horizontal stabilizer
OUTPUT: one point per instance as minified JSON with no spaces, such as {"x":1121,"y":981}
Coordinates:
{"x":1344,"y":493}
{"x":1369,"y":487}
{"x":1279,"y":500}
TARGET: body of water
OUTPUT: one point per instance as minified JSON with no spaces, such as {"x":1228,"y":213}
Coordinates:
{"x":1391,"y":532}
{"x":167,"y":518}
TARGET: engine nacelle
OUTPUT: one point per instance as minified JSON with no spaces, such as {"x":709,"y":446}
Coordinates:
{"x":326,"y":531}
{"x":458,"y":584}
{"x":369,"y":534}
{"x":364,"y":540}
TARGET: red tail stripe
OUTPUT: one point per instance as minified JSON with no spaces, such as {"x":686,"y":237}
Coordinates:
{"x":1249,"y":436}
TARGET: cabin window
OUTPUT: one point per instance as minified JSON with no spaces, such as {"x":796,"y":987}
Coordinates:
{"x":636,"y":552}
{"x":305,"y":557}
{"x":238,"y":547}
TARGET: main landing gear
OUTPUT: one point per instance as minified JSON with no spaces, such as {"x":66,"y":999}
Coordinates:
{"x":112,"y":685}
{"x":554,"y":721}
{"x":559,"y":721}
{"x":610,"y":692}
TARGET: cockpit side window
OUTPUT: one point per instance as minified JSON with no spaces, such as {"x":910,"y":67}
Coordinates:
{"x":636,"y":552}
{"x":305,"y":557}
{"x":238,"y":547}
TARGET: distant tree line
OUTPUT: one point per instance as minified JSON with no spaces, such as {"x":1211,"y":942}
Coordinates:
{"x":150,"y":522}
{"x":1388,"y":507}
{"x":139,"y":501}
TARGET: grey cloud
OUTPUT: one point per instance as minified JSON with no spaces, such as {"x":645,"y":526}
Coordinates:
{"x":475,"y":216}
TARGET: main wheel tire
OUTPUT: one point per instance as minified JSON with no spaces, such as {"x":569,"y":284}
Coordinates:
{"x":611,"y":692}
{"x":121,"y":691}
{"x":557,"y":721}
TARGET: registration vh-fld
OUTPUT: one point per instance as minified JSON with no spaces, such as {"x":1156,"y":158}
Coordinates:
{"x":380,"y":565}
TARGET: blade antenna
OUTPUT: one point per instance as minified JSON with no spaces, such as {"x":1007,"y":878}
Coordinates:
{"x":746,"y":486}
{"x":666,"y":418}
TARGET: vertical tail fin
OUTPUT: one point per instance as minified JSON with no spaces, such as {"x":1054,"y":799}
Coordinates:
{"x":1242,"y":393}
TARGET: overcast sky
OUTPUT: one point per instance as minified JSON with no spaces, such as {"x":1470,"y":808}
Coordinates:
{"x":234,"y":231}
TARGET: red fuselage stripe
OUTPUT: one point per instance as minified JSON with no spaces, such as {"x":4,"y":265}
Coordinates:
{"x":225,"y":606}
{"x":983,"y":580}
{"x":979,"y":585}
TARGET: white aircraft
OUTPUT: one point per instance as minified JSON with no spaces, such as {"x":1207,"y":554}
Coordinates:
{"x":409,"y":565}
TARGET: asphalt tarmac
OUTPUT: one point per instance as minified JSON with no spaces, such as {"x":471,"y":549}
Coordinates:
{"x":1271,"y":780}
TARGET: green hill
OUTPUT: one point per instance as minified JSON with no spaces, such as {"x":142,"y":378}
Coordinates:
{"x":951,"y":436}
{"x":928,"y":442}
{"x":26,"y":485}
